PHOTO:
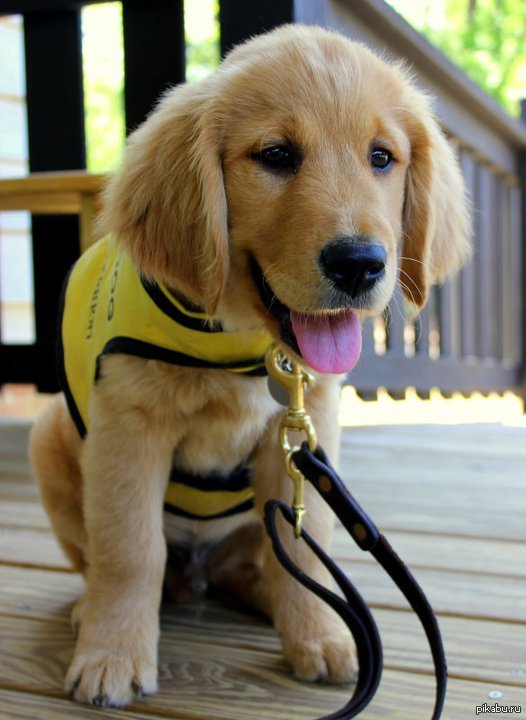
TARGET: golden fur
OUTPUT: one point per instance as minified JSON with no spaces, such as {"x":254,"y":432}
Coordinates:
{"x":192,"y":206}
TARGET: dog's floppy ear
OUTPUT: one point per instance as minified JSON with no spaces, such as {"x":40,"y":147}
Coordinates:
{"x":167,"y":203}
{"x":436,"y":219}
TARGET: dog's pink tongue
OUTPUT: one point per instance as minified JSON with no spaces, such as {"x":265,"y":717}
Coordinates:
{"x":328,"y":343}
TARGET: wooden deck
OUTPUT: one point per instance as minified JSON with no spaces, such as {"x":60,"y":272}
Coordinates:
{"x":452,"y":500}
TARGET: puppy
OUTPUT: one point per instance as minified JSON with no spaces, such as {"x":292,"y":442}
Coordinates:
{"x":269,"y":202}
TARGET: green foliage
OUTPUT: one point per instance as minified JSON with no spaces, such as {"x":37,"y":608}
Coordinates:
{"x":104,"y":126}
{"x":489,"y":45}
{"x":201,"y":59}
{"x":103,"y":56}
{"x":202,"y":51}
{"x":486,"y":38}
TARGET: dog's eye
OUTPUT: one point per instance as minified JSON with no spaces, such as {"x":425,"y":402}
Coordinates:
{"x":280,"y":158}
{"x":381,"y":159}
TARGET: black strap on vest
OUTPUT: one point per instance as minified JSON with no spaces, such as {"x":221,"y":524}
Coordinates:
{"x":354,"y":610}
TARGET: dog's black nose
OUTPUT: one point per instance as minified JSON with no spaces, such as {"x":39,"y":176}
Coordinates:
{"x":353,"y":265}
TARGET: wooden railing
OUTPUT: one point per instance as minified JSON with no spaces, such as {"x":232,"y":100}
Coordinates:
{"x":472,"y":334}
{"x":56,"y":193}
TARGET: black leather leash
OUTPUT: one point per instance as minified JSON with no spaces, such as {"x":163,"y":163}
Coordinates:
{"x":353,"y":610}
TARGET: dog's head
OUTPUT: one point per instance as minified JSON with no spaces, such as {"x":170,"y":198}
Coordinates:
{"x":291,"y":189}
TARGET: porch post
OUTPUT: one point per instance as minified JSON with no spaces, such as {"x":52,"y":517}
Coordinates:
{"x":241,"y":20}
{"x":154,"y":54}
{"x":55,"y":116}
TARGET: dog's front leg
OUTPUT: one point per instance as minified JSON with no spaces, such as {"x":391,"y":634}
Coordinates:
{"x":315,"y":640}
{"x":125,"y":465}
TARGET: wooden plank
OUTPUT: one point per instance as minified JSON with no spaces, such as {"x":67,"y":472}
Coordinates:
{"x":490,"y":521}
{"x":14,"y":483}
{"x":449,"y":304}
{"x":35,"y":591}
{"x":486,"y":300}
{"x":507,"y":273}
{"x":395,"y":327}
{"x":518,"y":277}
{"x":19,"y":705}
{"x":42,"y":204}
{"x":476,"y":650}
{"x":519,"y":222}
{"x":447,"y":374}
{"x":450,"y":330}
{"x":433,"y":551}
{"x":457,"y":481}
{"x":38,"y":548}
{"x":468,"y":442}
{"x":502,"y":270}
{"x":422,"y":329}
{"x":491,"y":652}
{"x":13,"y":440}
{"x":38,"y":593}
{"x":419,"y":513}
{"x":196,"y":678}
{"x":41,"y":593}
{"x":31,"y":548}
{"x":67,"y":181}
{"x":65,"y":192}
{"x":368,"y":338}
{"x":24,"y":514}
{"x":450,"y":593}
{"x":468,"y":279}
{"x":242,"y":663}
{"x":401,"y":697}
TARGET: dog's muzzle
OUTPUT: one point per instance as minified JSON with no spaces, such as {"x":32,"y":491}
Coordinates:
{"x":328,"y":340}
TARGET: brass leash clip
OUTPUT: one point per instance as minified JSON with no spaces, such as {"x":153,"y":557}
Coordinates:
{"x":293,"y":378}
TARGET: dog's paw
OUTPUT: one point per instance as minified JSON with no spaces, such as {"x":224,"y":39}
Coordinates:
{"x":113,"y":678}
{"x":322,"y":658}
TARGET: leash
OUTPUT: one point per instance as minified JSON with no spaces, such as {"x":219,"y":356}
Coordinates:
{"x":309,"y":462}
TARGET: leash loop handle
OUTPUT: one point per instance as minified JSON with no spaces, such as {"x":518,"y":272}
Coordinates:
{"x":352,"y":609}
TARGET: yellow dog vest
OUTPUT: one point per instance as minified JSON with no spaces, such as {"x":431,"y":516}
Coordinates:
{"x":107,"y":308}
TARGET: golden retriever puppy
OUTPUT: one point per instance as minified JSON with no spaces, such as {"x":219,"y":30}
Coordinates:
{"x":269,"y":202}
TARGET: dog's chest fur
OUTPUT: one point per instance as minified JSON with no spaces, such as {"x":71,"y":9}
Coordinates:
{"x":212,"y":420}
